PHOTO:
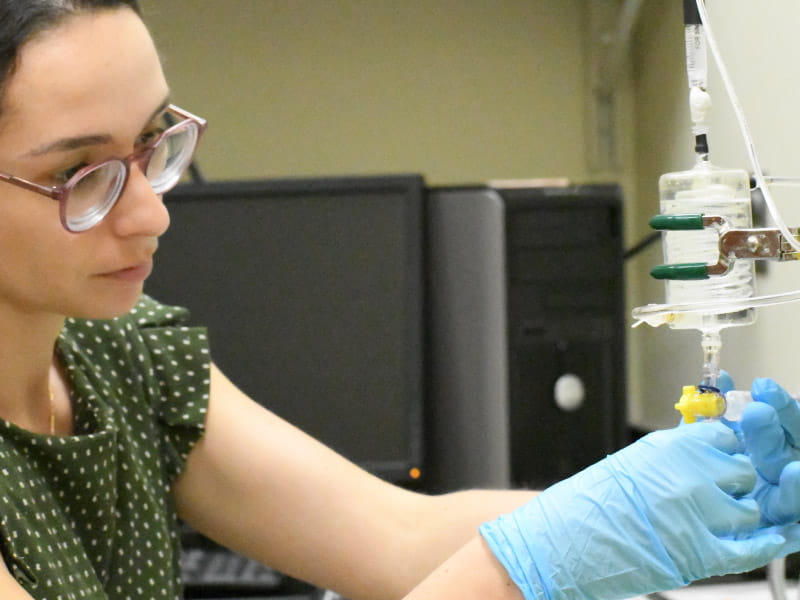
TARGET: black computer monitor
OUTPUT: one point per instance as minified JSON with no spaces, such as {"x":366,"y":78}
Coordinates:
{"x":313,"y":293}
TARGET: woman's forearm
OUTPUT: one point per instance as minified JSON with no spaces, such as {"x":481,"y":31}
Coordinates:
{"x":445,"y":524}
{"x":472,"y":573}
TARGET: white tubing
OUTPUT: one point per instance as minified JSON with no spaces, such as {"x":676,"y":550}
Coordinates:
{"x":751,"y":152}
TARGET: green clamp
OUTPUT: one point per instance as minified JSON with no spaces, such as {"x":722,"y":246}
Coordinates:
{"x":677,"y":222}
{"x":684,"y":271}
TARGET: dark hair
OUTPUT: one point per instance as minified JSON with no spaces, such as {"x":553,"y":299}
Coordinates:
{"x":20,"y":20}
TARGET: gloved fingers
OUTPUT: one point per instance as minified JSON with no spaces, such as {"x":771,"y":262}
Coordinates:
{"x":768,"y":391}
{"x":735,"y":426}
{"x":780,"y":504}
{"x":791,"y":535}
{"x":765,"y":440}
{"x":733,"y":474}
{"x":691,"y":455}
{"x":725,"y":382}
{"x":751,"y":551}
{"x":716,"y":434}
{"x":725,"y":516}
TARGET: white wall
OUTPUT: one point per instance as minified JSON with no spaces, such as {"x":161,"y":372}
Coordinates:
{"x":760,"y":46}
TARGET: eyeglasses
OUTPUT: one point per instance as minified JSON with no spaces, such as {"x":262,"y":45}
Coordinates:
{"x":90,"y":194}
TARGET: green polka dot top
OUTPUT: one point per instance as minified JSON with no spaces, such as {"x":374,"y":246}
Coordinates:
{"x":90,"y":516}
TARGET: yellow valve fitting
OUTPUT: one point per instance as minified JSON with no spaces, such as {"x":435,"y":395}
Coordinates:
{"x":700,"y":402}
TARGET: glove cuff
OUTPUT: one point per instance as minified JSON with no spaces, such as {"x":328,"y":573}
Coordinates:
{"x":504,"y":539}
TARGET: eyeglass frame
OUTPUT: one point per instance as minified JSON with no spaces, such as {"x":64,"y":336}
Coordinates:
{"x":142,"y":156}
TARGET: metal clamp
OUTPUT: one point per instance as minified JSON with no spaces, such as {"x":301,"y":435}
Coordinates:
{"x":751,"y":244}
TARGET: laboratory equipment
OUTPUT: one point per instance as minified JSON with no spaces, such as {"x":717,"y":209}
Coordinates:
{"x":710,"y":403}
{"x":710,"y":246}
{"x":691,"y":250}
{"x":708,"y":238}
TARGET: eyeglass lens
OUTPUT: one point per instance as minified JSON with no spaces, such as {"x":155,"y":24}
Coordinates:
{"x":171,"y":157}
{"x":94,"y":194}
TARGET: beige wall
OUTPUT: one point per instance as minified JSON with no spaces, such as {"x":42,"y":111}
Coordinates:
{"x":660,"y":360}
{"x":458,"y":91}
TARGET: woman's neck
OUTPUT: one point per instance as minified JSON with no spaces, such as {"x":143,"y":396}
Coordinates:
{"x":28,"y":370}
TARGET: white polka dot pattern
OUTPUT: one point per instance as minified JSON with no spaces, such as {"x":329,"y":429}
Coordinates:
{"x":90,"y":516}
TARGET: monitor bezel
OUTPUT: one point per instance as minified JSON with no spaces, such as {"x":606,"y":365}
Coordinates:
{"x":411,"y":187}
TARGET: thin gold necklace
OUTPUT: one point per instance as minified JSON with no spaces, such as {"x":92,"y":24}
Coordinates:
{"x":52,"y":411}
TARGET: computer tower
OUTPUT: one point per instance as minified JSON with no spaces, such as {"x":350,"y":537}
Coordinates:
{"x":566,"y":329}
{"x":526,"y":334}
{"x":467,"y":403}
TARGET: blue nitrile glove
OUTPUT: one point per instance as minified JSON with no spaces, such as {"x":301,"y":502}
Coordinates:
{"x":725,"y":382}
{"x":771,"y":430}
{"x":660,"y":513}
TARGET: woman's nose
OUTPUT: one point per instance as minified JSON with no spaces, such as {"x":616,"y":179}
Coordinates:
{"x":139,"y":210}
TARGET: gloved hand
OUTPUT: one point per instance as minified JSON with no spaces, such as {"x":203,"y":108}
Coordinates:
{"x":725,"y":381}
{"x":771,"y":430}
{"x":660,"y":513}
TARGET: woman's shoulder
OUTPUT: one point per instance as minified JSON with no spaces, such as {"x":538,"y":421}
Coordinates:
{"x":147,"y":313}
{"x":150,"y":353}
{"x":149,"y":325}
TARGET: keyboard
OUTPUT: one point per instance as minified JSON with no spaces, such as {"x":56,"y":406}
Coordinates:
{"x":220,"y":568}
{"x":212,"y":571}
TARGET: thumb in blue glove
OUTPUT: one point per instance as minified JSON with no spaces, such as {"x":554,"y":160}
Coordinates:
{"x":725,"y":382}
{"x":656,"y":515}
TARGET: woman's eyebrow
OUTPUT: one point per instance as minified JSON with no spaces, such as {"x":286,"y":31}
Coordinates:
{"x":70,"y":143}
{"x":81,"y":141}
{"x":161,"y":108}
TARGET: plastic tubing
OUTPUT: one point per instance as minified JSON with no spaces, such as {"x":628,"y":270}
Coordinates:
{"x":751,"y":152}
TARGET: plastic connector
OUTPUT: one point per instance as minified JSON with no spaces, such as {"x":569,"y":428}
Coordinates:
{"x":700,"y":401}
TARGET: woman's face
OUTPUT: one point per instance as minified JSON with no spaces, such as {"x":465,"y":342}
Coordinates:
{"x":88,"y":90}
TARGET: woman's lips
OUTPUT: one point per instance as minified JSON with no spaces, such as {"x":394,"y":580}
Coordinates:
{"x":135,"y":274}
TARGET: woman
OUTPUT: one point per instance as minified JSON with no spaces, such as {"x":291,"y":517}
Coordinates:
{"x":113,"y":421}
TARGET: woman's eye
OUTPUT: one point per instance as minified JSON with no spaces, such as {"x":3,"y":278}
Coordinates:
{"x":63,"y":176}
{"x":149,"y":136}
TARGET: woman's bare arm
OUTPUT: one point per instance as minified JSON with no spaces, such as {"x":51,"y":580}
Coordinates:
{"x":472,"y":573}
{"x":260,"y":486}
{"x":9,"y":588}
